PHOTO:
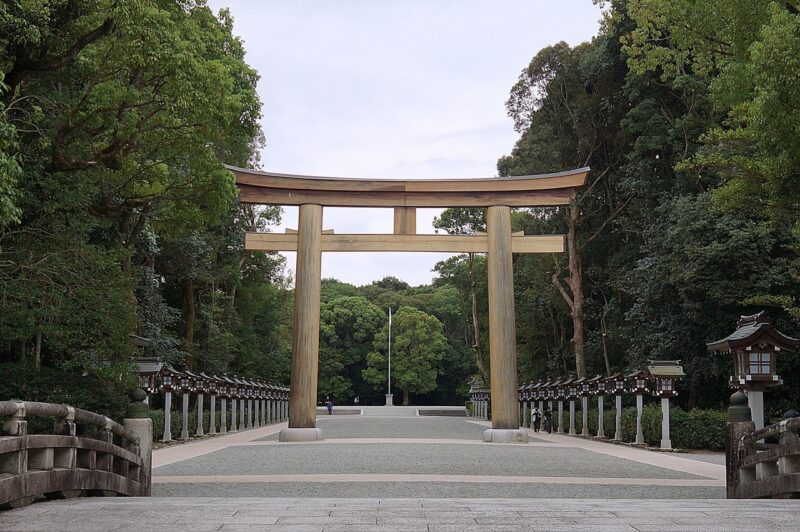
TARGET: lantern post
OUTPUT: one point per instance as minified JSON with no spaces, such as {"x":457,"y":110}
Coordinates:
{"x":598,"y":388}
{"x":637,"y":384}
{"x":664,"y":375}
{"x":616,"y":384}
{"x":755,"y":346}
{"x":166,"y":385}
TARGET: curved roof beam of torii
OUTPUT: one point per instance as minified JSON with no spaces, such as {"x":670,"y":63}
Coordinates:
{"x":270,"y":188}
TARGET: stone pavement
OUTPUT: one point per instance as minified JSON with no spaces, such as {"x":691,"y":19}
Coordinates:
{"x":413,"y":514}
{"x":389,"y":469}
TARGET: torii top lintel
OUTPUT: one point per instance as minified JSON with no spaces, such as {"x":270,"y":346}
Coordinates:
{"x":522,"y":191}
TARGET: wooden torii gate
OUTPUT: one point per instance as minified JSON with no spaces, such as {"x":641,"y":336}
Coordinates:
{"x":312,"y":193}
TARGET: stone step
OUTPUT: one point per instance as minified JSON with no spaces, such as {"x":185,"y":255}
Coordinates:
{"x":448,"y":412}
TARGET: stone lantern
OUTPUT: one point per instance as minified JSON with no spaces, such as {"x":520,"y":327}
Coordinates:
{"x":664,"y":374}
{"x":166,"y":386}
{"x":186,"y":385}
{"x":754,"y":346}
{"x":561,"y":395}
{"x":233,"y":394}
{"x":222,"y":392}
{"x":615,"y":384}
{"x":271,"y":396}
{"x":200,"y":387}
{"x":584,"y":391}
{"x":572,"y":393}
{"x":211,"y":388}
{"x":638,"y":384}
{"x":598,"y":388}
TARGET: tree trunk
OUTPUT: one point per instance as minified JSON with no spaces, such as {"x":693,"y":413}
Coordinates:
{"x":575,"y":282}
{"x":476,"y":331}
{"x":576,"y":286}
{"x":37,"y":351}
{"x":604,"y":338}
{"x":189,"y":316}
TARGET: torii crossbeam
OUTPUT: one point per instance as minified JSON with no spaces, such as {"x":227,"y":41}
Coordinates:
{"x":312,"y":193}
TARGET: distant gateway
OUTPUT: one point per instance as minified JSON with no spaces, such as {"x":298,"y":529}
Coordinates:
{"x":313,"y":193}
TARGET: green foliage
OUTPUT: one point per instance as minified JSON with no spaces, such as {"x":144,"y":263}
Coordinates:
{"x":418,"y":344}
{"x":120,"y":116}
{"x":348,"y":325}
{"x":97,"y":391}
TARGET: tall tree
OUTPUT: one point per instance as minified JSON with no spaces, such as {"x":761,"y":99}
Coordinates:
{"x":418,"y":343}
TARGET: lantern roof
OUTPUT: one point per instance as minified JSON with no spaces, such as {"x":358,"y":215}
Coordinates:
{"x":639,"y":373}
{"x":752,"y":330}
{"x":150,"y":365}
{"x":596,"y":379}
{"x":615,"y":376}
{"x":665,"y":369}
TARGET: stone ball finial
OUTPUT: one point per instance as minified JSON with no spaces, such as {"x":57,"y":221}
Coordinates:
{"x":136,"y":408}
{"x":738,"y":398}
{"x":739,"y":411}
{"x":137,"y":394}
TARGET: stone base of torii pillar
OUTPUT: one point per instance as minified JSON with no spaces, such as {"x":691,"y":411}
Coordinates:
{"x":300,"y":434}
{"x":505,"y":436}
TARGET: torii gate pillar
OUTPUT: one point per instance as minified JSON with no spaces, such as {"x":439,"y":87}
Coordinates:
{"x":305,"y":333}
{"x":502,"y":330}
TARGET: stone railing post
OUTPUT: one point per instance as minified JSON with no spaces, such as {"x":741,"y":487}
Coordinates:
{"x":66,"y":425}
{"x":738,"y":424}
{"x":17,"y":425}
{"x":137,"y":421}
{"x":560,"y":417}
{"x":618,"y":419}
{"x":104,"y":433}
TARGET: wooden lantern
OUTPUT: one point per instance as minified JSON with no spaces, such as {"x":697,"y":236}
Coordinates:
{"x":597,"y":385}
{"x":637,"y":382}
{"x":664,"y":375}
{"x":755,"y":345}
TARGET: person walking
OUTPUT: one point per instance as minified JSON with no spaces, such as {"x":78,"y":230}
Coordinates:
{"x":548,"y":421}
{"x":329,"y":405}
{"x":537,"y":419}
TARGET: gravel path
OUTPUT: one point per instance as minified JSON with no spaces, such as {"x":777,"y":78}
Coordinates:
{"x":434,"y":459}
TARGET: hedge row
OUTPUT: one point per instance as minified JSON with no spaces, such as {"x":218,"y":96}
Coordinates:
{"x":695,"y":429}
{"x":175,"y":422}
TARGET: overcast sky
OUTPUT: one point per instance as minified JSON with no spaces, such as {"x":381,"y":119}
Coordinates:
{"x":405,"y":89}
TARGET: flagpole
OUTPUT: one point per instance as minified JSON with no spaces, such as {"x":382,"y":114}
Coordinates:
{"x":389,"y":401}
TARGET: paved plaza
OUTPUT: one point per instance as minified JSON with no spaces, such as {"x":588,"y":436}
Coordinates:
{"x":390,"y":469}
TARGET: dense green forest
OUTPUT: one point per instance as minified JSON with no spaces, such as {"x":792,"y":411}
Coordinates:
{"x":117,"y":217}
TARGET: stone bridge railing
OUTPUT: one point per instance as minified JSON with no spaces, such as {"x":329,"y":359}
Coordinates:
{"x":761,"y":463}
{"x":116,"y":460}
